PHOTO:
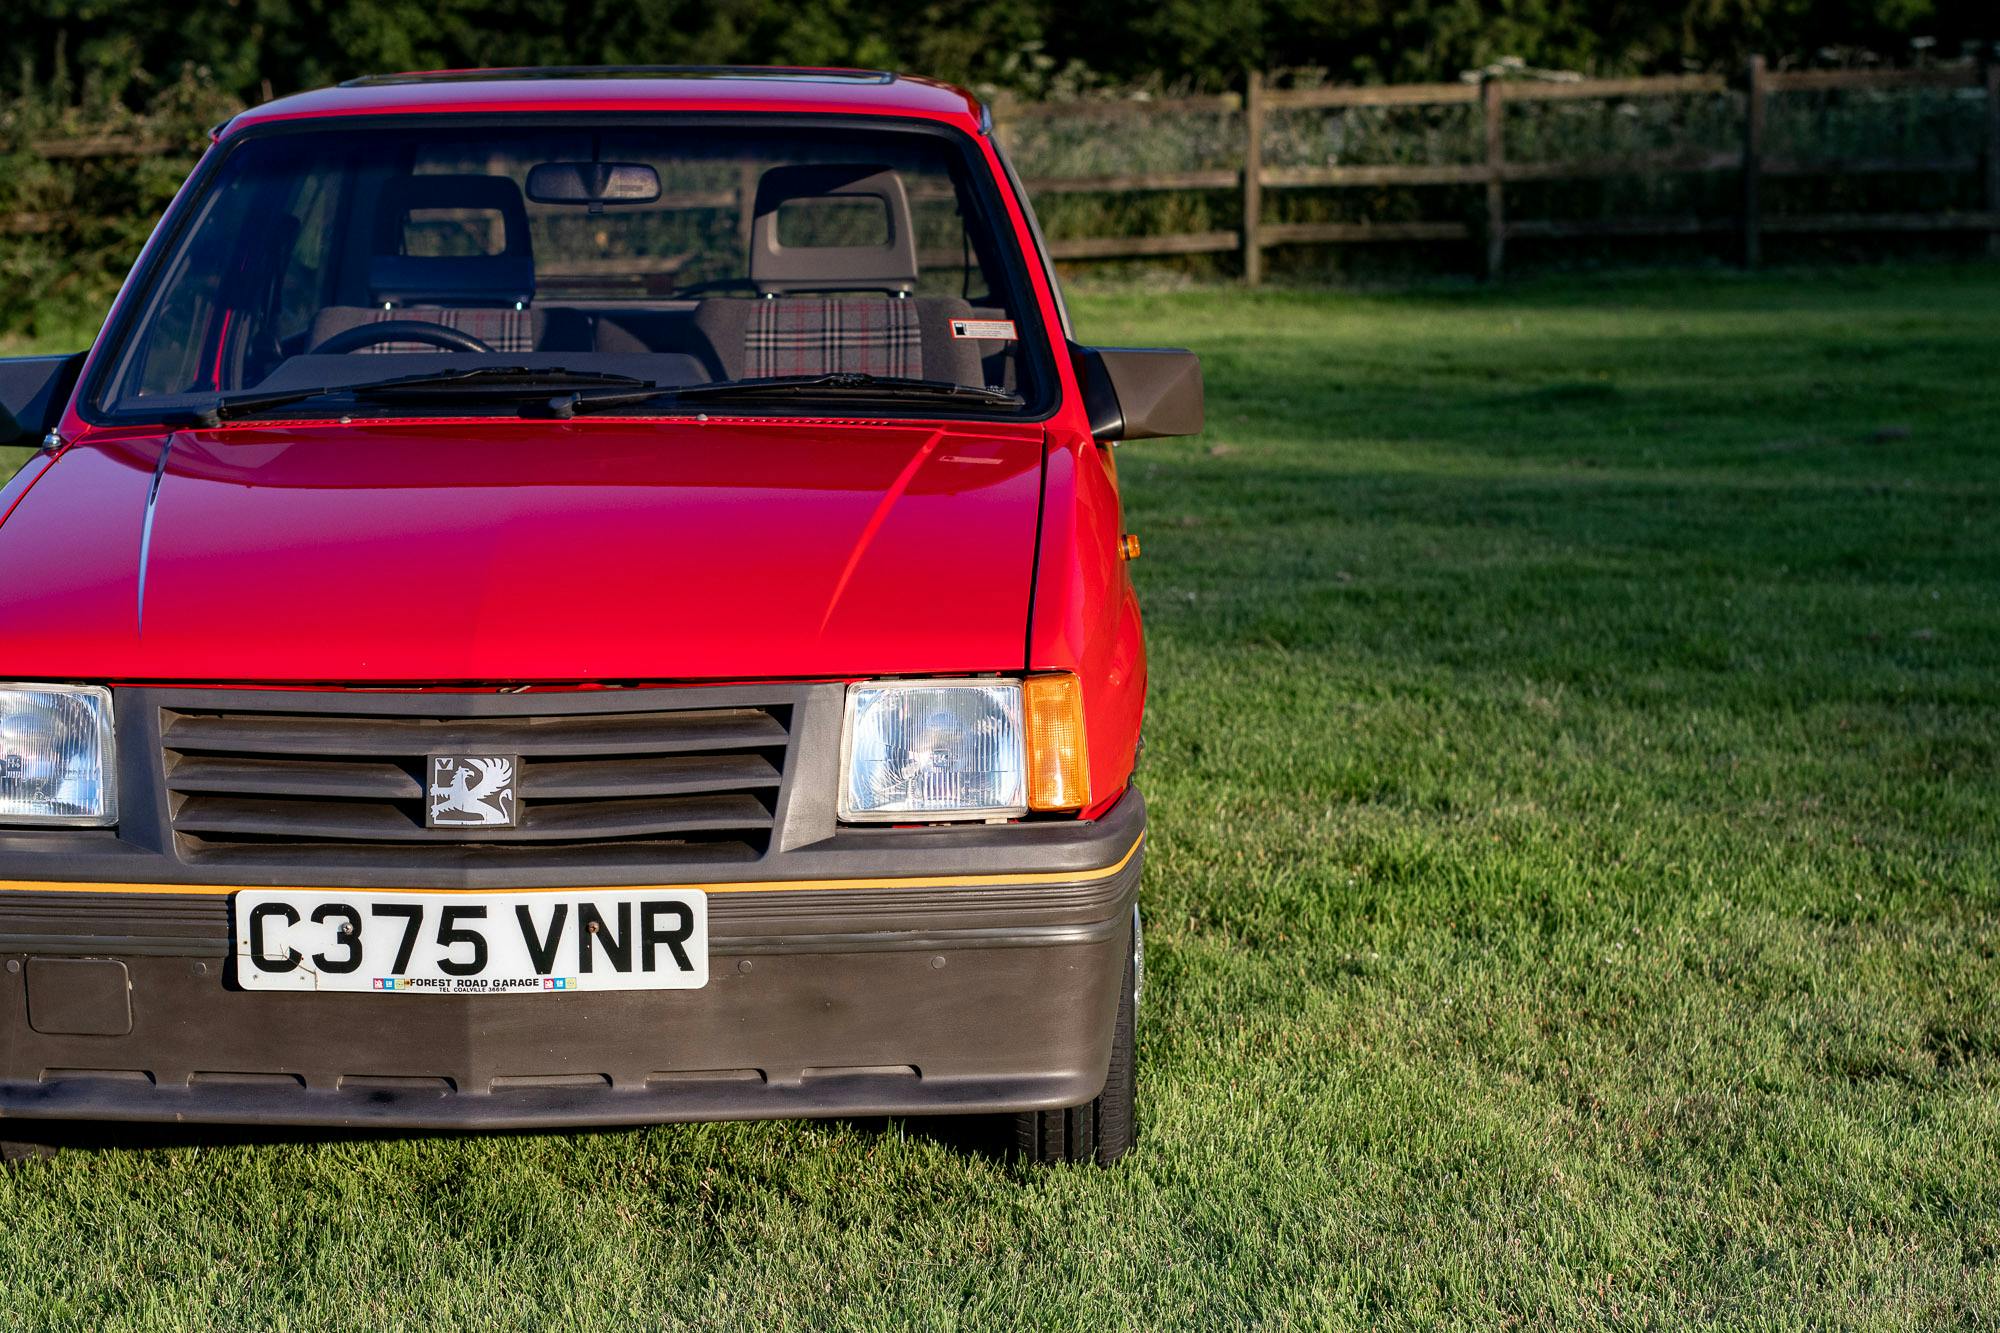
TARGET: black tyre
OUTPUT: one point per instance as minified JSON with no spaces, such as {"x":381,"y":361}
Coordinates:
{"x":13,"y":1151}
{"x":1104,"y":1129}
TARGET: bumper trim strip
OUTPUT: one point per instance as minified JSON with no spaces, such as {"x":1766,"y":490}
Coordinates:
{"x":725,"y":946}
{"x":739,"y":886}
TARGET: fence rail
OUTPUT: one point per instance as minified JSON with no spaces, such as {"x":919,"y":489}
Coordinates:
{"x":1494,"y":171}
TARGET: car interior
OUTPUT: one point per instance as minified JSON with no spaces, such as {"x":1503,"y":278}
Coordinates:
{"x":736,"y":255}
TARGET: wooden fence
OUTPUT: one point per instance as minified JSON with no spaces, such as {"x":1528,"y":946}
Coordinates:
{"x":1494,"y":172}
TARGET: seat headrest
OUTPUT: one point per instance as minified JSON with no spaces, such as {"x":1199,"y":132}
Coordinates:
{"x":503,"y":278}
{"x":888,"y":267}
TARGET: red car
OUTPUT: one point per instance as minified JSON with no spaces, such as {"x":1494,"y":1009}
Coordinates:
{"x":579,"y":597}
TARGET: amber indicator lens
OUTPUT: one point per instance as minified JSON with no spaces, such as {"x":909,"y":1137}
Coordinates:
{"x":1058,"y":759}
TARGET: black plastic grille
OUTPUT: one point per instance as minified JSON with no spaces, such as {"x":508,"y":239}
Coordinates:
{"x":599,"y":788}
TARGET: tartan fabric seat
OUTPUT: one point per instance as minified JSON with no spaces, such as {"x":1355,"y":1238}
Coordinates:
{"x":503,"y":329}
{"x":806,"y":336}
{"x":801,"y":335}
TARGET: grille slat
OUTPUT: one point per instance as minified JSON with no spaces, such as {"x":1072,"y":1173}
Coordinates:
{"x":669,"y":775}
{"x":551,"y":862}
{"x":617,"y":733}
{"x":593,"y":788}
{"x":283,"y":777}
{"x":373,"y":821}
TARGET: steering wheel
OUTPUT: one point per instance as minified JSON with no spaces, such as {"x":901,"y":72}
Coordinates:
{"x":400,"y":331}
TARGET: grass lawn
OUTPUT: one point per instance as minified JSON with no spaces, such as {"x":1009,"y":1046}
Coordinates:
{"x":1571,"y":900}
{"x":11,"y":459}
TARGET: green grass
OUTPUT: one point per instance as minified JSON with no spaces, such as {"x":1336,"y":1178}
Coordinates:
{"x":1572,"y":755}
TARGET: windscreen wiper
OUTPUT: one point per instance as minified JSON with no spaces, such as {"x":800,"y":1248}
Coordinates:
{"x":499,"y":382}
{"x":590,"y":391}
{"x":504,"y":383}
{"x":848,"y":385}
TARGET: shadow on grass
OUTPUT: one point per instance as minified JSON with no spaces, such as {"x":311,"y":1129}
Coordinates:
{"x":988,"y":1137}
{"x":1544,"y":393}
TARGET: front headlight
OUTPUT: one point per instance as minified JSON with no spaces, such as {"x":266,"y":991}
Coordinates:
{"x":56,"y":755}
{"x":915,"y":751}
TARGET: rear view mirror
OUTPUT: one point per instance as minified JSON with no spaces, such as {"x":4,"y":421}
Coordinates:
{"x":593,"y":183}
{"x":1137,"y":393}
{"x":34,"y":390}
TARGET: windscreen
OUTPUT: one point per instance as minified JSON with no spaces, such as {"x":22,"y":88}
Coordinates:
{"x":660,"y":254}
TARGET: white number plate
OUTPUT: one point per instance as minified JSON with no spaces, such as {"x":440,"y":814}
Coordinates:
{"x":460,"y":943}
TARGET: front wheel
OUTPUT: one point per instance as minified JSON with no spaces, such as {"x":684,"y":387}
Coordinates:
{"x":15,"y":1151}
{"x":1104,"y":1129}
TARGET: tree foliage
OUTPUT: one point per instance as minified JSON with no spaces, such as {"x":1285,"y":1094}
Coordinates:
{"x":256,"y":47}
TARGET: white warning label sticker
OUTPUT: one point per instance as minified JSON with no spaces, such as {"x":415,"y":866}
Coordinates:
{"x":1002,"y":329}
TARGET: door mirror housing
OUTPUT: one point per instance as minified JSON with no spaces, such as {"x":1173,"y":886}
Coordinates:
{"x":34,"y":390}
{"x":1138,"y":393}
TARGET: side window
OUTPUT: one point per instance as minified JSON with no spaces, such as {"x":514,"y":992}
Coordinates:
{"x":171,"y":360}
{"x":951,"y":263}
{"x":1035,"y":230}
{"x":302,"y":286}
{"x":172,"y":357}
{"x":254,"y":258}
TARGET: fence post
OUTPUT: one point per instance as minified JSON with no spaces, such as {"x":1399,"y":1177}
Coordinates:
{"x":1753,"y":163}
{"x":1993,"y":154}
{"x":1253,"y":177}
{"x":1492,"y":106}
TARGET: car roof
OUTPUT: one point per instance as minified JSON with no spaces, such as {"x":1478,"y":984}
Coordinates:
{"x":798,"y":90}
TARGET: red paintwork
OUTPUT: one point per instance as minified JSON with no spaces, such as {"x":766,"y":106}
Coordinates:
{"x":444,"y":553}
{"x":1086,"y":614}
{"x":798,"y":92}
{"x":530,"y":551}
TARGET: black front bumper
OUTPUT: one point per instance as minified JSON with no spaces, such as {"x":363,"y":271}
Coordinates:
{"x":892,"y":972}
{"x":969,"y":995}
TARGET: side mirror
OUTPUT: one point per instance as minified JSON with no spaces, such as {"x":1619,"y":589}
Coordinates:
{"x":34,"y":390}
{"x":1137,"y":393}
